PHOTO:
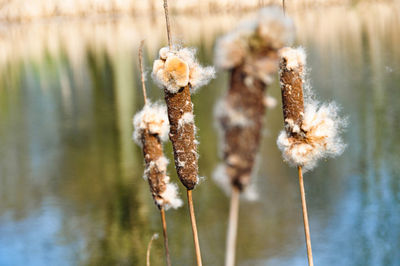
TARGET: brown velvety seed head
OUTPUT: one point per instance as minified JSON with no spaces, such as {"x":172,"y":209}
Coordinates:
{"x":292,"y":95}
{"x":182,"y":138}
{"x":152,"y":151}
{"x":241,"y":143}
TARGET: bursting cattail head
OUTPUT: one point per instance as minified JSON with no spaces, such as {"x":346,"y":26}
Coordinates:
{"x":151,"y":128}
{"x":250,"y":53}
{"x":312,"y":130}
{"x":179,"y":74}
{"x":179,"y":68}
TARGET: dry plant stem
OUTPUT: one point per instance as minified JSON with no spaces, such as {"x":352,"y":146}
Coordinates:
{"x":141,"y":71}
{"x":230,"y":253}
{"x":194,"y":228}
{"x":182,"y":137}
{"x":284,"y":7}
{"x":149,"y":248}
{"x":164,"y":226}
{"x":168,"y":25}
{"x":305,"y":218}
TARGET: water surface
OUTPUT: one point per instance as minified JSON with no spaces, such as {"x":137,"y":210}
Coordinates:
{"x":71,"y":186}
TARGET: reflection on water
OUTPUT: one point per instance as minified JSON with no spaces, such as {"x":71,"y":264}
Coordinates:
{"x":71,"y":188}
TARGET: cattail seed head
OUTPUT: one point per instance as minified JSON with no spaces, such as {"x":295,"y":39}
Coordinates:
{"x":179,"y":68}
{"x":291,"y":76}
{"x":250,"y":53}
{"x":312,"y":130}
{"x":182,"y":136}
{"x":179,"y":74}
{"x":151,"y":128}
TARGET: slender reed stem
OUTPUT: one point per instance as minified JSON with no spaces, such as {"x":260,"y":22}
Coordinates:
{"x":141,"y":71}
{"x":149,"y":248}
{"x":284,"y":7}
{"x":168,"y":25}
{"x":194,"y":228}
{"x":164,"y":227}
{"x":305,"y":218}
{"x":232,"y":228}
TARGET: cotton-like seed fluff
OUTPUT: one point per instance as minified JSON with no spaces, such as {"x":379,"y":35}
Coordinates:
{"x":150,"y":129}
{"x":179,"y":74}
{"x":312,"y":130}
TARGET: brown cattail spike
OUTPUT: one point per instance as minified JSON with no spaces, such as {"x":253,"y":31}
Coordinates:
{"x":252,"y":59}
{"x":291,"y":76}
{"x":151,"y":128}
{"x":179,"y":74}
{"x":242,"y":141}
{"x":312,"y":130}
{"x":182,"y":135}
{"x":152,"y":152}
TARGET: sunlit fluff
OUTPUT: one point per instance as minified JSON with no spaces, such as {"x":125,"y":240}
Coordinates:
{"x":295,"y":58}
{"x":223,"y":181}
{"x":154,"y":118}
{"x":319,"y":136}
{"x":179,"y":68}
{"x":270,"y":28}
{"x":230,"y":116}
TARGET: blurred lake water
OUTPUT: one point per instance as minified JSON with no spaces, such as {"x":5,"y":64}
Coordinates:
{"x":71,"y":187}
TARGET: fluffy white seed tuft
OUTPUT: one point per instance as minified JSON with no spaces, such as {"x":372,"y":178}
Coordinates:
{"x":271,"y":27}
{"x":153,"y":117}
{"x":270,"y":102}
{"x":320,"y":136}
{"x":222,"y":180}
{"x":229,"y":115}
{"x":295,"y":58}
{"x":187,"y":118}
{"x":179,"y":68}
{"x":170,"y":197}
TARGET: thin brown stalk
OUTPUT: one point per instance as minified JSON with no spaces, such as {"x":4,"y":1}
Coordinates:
{"x":284,"y":7}
{"x":164,"y":226}
{"x":194,"y":228}
{"x":141,"y":71}
{"x":305,"y":218}
{"x":155,"y":236}
{"x":230,"y":253}
{"x":167,"y":23}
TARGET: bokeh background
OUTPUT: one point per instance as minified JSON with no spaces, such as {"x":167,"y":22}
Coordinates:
{"x":71,"y":187}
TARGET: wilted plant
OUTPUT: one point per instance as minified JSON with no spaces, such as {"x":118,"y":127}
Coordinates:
{"x":312,"y":130}
{"x":155,"y":236}
{"x":151,"y":129}
{"x":179,"y":74}
{"x":250,"y":54}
